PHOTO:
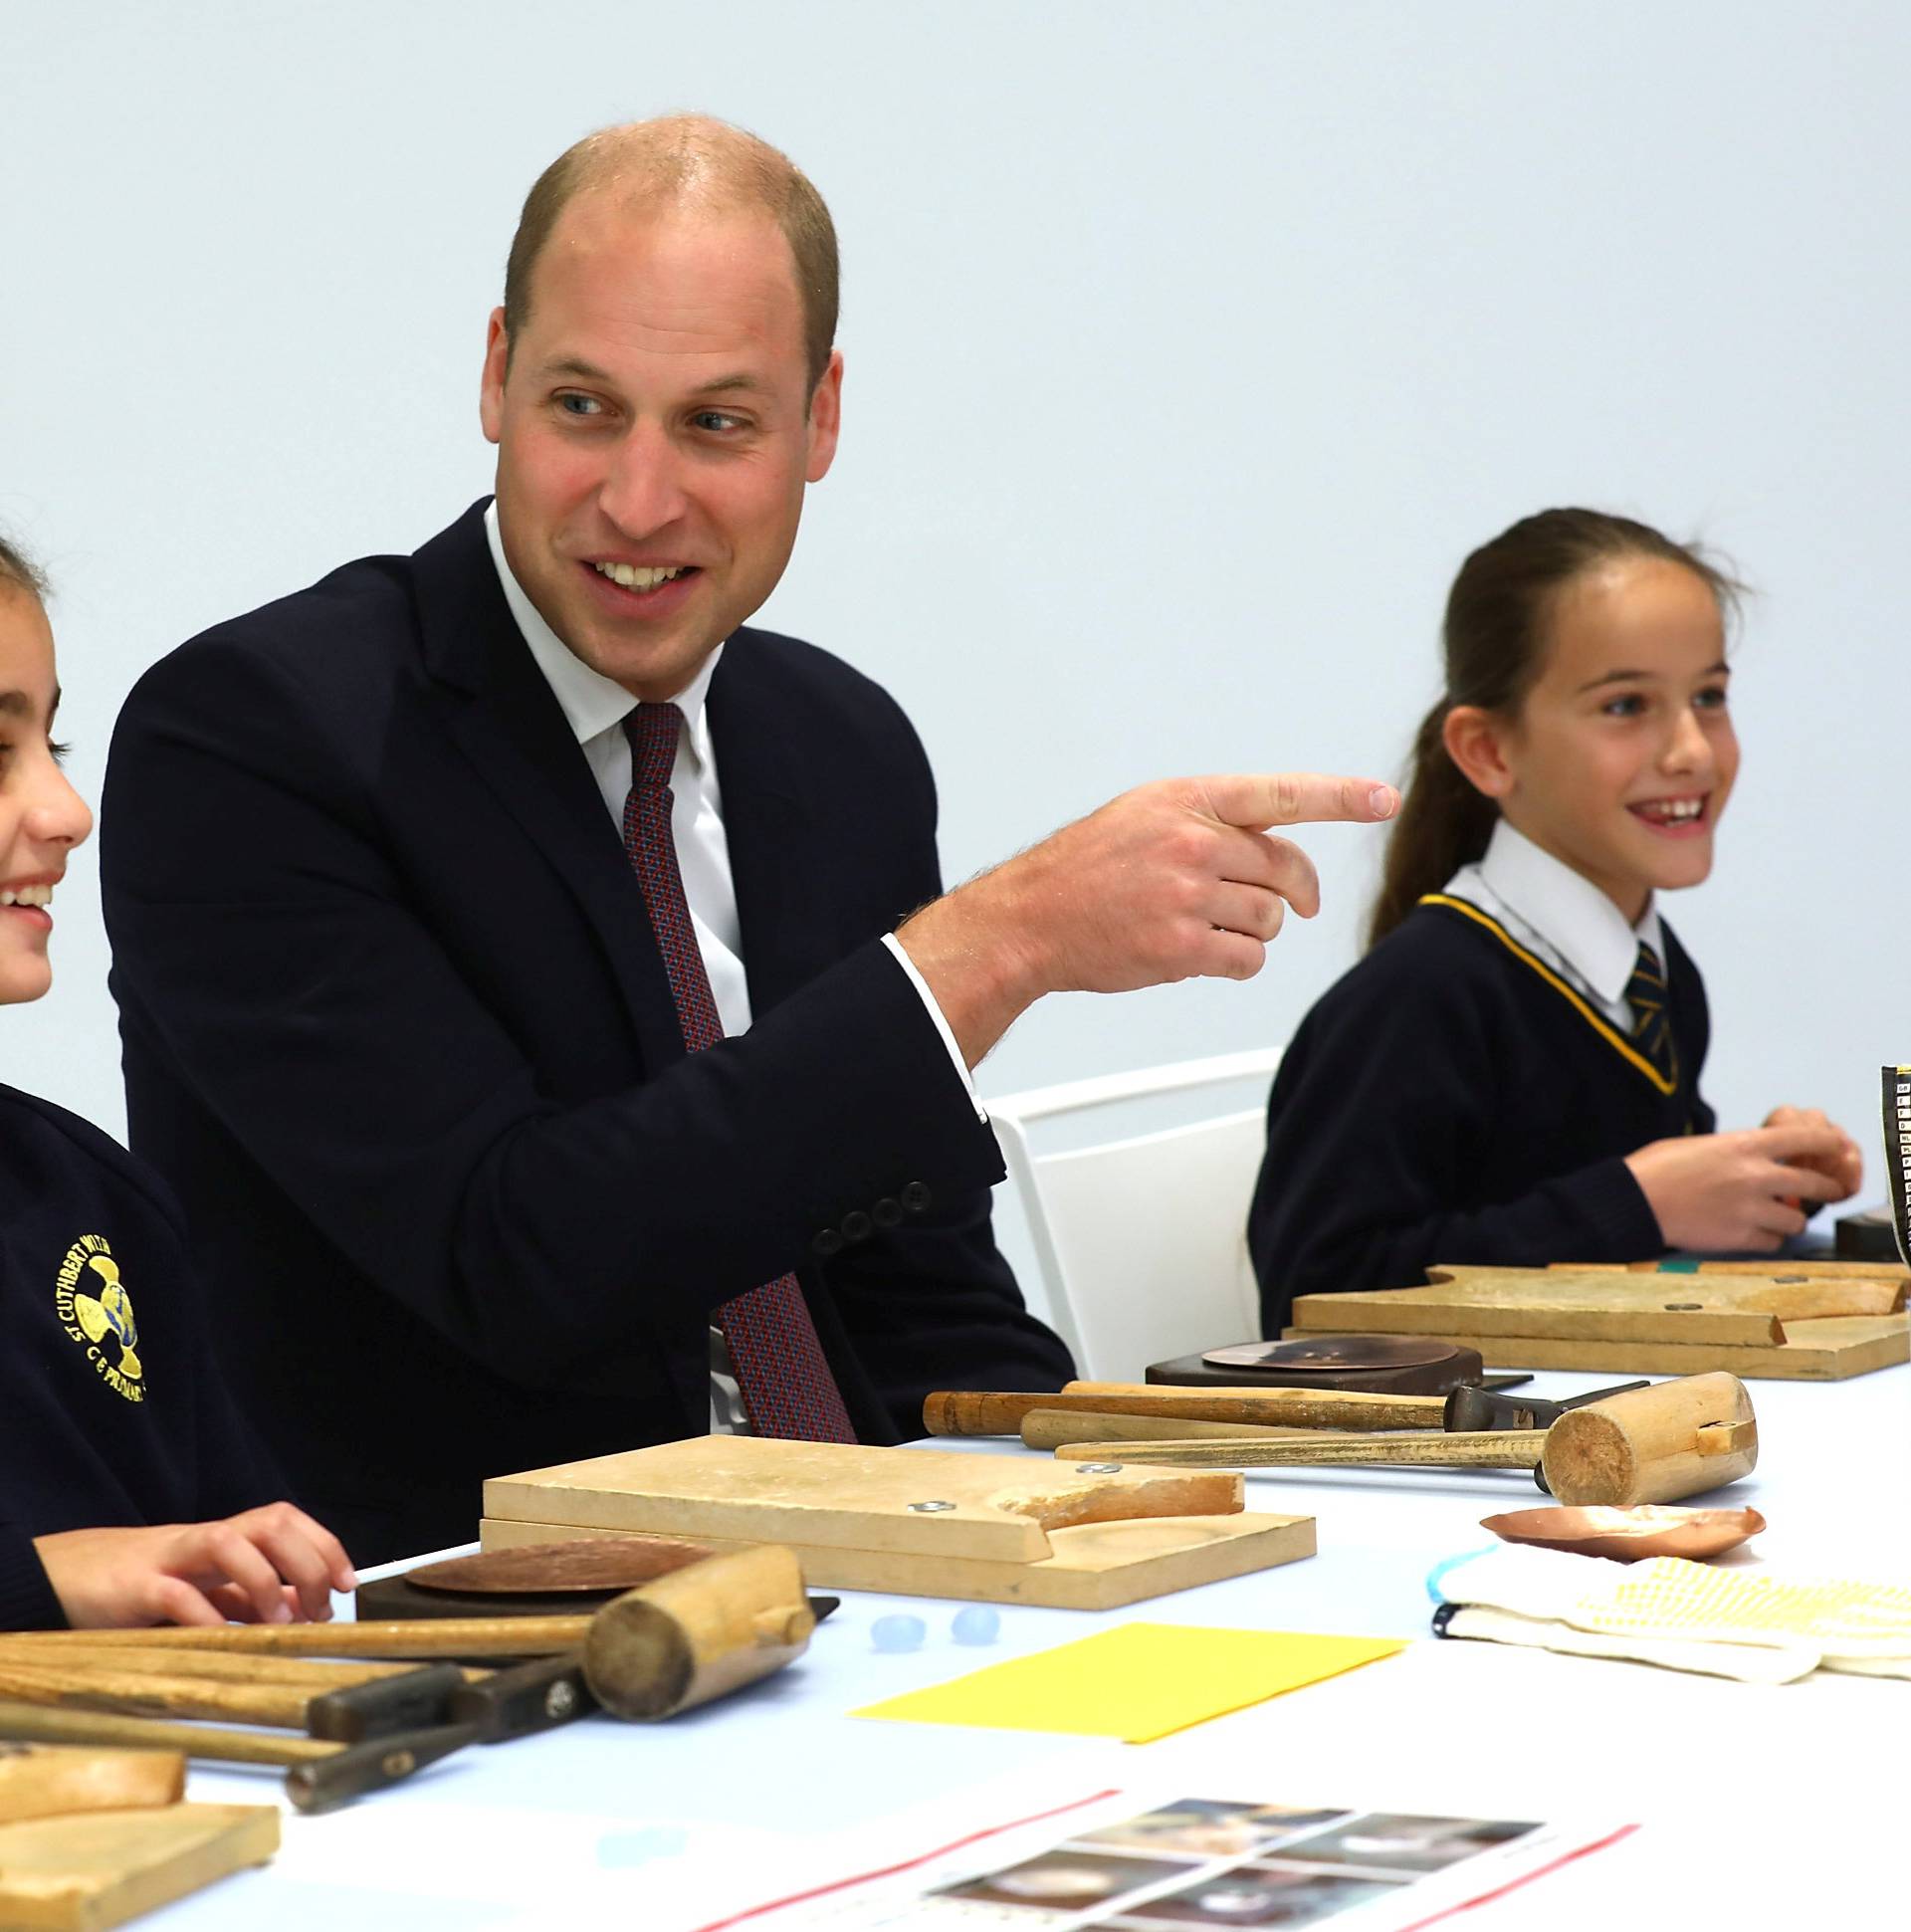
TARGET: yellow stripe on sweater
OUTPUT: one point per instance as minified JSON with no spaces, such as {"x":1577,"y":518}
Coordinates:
{"x":1599,"y":1025}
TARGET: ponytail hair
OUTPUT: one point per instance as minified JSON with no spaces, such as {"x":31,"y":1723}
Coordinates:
{"x":1495,"y":639}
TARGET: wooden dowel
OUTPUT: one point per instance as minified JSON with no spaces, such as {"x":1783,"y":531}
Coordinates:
{"x":445,"y":1637}
{"x":975,"y":1413}
{"x":1469,"y":1450}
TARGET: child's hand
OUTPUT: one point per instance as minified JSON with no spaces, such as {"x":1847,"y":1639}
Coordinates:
{"x":271,"y":1565}
{"x":1848,"y":1166}
{"x":1741,"y":1192}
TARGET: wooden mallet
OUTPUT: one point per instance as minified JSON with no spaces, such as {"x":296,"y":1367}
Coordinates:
{"x":689,"y":1636}
{"x":1652,"y":1445}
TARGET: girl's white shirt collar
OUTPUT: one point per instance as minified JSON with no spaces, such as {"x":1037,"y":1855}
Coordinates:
{"x":1577,"y":921}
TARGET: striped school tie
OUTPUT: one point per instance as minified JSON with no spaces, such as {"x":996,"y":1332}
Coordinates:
{"x":1651,"y":1021}
{"x":782,"y":1372}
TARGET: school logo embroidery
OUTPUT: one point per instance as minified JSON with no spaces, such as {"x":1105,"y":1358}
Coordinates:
{"x":96,"y":1312}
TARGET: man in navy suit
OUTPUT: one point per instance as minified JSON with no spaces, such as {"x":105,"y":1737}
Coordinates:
{"x":536,"y":980}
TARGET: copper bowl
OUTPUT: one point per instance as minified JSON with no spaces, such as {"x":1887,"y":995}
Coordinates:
{"x":1629,"y":1535}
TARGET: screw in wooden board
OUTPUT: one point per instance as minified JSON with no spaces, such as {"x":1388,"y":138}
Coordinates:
{"x":1097,"y":1468}
{"x":931,"y":1507}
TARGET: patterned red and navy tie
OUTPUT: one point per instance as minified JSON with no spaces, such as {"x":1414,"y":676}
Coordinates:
{"x":1651,"y":1023}
{"x":781,"y":1371}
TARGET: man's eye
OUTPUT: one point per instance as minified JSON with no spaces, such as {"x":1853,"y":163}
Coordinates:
{"x":584,"y":406}
{"x":716,"y":420}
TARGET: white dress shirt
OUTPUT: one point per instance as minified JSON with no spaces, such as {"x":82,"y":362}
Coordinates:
{"x":595,"y":708}
{"x":1562,"y":917}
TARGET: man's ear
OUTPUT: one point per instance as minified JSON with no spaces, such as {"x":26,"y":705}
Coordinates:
{"x":825,"y":419}
{"x":490,"y":389}
{"x":1475,"y":739}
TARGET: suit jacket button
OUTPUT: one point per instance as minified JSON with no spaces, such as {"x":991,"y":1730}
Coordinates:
{"x":916,"y":1197}
{"x":857,"y":1226}
{"x":828,"y":1243}
{"x":886,"y":1213}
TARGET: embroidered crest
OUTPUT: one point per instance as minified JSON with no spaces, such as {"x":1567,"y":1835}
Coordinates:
{"x":96,"y":1312}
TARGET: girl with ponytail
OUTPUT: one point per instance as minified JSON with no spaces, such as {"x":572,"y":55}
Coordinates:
{"x":1509,"y":1075}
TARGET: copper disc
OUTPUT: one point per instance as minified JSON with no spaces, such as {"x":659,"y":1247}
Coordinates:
{"x":584,"y":1562}
{"x":1334,"y":1354}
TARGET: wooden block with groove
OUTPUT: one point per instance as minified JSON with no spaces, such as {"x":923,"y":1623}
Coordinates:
{"x":835,"y":1495}
{"x":1096,"y":1566}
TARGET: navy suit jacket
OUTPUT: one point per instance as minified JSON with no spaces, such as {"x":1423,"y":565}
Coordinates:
{"x":396,"y":1028}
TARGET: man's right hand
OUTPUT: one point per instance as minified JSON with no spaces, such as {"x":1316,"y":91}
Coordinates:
{"x":1734,"y":1192}
{"x":1172,"y":881}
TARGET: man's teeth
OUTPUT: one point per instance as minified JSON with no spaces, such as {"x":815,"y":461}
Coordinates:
{"x":28,"y":896}
{"x":638,"y":576}
{"x":1672,"y":811}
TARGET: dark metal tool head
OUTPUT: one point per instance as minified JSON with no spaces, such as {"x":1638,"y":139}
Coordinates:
{"x":1480,"y":1408}
{"x":322,"y":1783}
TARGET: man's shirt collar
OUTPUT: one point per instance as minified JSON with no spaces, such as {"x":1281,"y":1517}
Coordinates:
{"x":592,"y":703}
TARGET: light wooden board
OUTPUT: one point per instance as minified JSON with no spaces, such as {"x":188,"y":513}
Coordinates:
{"x":1096,"y":1566}
{"x":1821,"y":1351}
{"x":99,"y":1868}
{"x":1729,"y":1311}
{"x":1894,"y":1272}
{"x":832,"y":1495}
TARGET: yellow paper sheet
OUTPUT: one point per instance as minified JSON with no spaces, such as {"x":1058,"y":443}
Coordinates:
{"x":1138,"y":1682}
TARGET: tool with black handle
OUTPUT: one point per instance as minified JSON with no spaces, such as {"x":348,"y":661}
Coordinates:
{"x":318,"y":1775}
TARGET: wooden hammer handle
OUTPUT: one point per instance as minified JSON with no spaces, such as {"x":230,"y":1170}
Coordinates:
{"x":1467,"y":1450}
{"x":29,"y":1647}
{"x":442,"y":1636}
{"x":134,"y":1693}
{"x":1049,"y":1429}
{"x":318,"y":1775}
{"x":972,"y":1413}
{"x":42,"y":1725}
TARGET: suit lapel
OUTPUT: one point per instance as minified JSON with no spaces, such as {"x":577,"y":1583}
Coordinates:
{"x":510,"y":726}
{"x":768,"y":829}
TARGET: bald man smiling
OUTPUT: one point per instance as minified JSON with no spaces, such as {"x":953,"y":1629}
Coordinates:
{"x":539,"y":982}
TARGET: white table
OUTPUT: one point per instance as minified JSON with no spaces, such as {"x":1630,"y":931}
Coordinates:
{"x":1762,"y":1805}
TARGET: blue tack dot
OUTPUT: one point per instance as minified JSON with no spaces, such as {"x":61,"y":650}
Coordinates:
{"x":977,"y":1625}
{"x":618,"y":1851}
{"x":899,"y":1633}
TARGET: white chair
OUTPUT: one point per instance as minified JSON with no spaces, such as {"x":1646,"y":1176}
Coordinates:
{"x":1141,"y":1242}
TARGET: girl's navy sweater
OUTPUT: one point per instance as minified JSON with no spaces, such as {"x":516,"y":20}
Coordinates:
{"x":111,"y":1408}
{"x":1451,"y":1098}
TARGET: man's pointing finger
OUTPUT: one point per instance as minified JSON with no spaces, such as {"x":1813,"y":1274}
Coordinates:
{"x":1259,"y":800}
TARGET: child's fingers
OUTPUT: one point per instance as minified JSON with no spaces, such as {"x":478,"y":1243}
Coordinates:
{"x":1796,"y":1180}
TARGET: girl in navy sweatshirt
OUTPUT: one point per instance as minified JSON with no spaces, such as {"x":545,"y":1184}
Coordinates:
{"x":116,"y":1435}
{"x":1510,"y":1074}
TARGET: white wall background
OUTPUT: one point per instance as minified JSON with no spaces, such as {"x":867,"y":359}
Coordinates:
{"x":1190,"y":348}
